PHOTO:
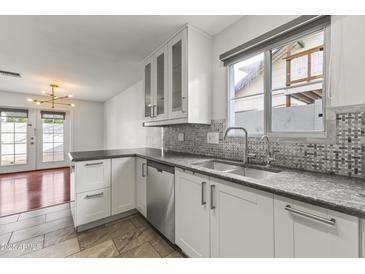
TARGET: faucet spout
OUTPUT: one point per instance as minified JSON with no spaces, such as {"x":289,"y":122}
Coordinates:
{"x":245,"y":152}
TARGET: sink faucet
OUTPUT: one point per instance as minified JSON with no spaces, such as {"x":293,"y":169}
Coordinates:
{"x":268,"y":154}
{"x":246,"y":156}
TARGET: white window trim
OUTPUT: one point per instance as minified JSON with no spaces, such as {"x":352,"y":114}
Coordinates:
{"x":267,"y":89}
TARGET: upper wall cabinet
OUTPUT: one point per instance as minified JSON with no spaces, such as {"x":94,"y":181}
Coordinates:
{"x":177,"y":80}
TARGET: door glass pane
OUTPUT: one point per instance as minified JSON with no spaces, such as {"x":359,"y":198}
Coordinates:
{"x":147,"y":90}
{"x":297,"y":85}
{"x":13,"y":139}
{"x":20,"y":148}
{"x":160,"y":84}
{"x":177,"y":76}
{"x":53,"y":140}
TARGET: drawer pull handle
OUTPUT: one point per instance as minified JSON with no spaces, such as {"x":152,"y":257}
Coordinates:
{"x":94,"y":195}
{"x":94,"y":164}
{"x":212,"y":190}
{"x":331,"y":221}
{"x":204,"y":201}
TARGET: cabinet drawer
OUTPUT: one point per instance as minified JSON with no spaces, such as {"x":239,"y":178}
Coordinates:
{"x":92,"y":175}
{"x":92,"y":206}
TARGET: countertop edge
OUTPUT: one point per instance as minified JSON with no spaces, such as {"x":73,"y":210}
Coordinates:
{"x":331,"y":206}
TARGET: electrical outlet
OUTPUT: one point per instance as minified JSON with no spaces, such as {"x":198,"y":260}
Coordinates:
{"x":181,"y":137}
{"x":213,"y":138}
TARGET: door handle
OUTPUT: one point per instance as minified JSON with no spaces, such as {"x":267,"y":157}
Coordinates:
{"x":143,"y":170}
{"x":212,"y":203}
{"x":204,"y":200}
{"x":331,"y":221}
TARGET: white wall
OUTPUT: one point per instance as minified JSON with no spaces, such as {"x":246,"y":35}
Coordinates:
{"x":347,"y":56}
{"x":87,"y":123}
{"x":123,"y":121}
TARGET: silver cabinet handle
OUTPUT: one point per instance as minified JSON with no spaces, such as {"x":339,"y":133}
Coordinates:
{"x":154,"y":110}
{"x":94,"y":195}
{"x":331,"y":221}
{"x":212,"y":190}
{"x":204,"y":200}
{"x":143,"y":170}
{"x":151,"y":110}
{"x":94,"y":164}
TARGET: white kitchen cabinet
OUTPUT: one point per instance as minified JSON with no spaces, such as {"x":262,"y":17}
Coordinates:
{"x":92,"y":206}
{"x":192,"y":221}
{"x":91,"y":175}
{"x":304,"y":230}
{"x":177,"y":80}
{"x":123,"y":184}
{"x":141,"y":187}
{"x":242,"y":224}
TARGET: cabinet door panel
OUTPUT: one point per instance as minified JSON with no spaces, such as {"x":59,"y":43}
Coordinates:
{"x":177,"y":71}
{"x":141,"y":173}
{"x":147,"y":86}
{"x":300,"y":236}
{"x":242,"y":222}
{"x":192,"y":215}
{"x":160,"y":105}
{"x":123,"y":184}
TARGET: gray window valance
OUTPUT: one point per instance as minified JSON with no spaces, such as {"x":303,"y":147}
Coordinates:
{"x":264,"y":41}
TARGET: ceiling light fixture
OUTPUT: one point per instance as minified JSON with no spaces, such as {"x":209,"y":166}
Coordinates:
{"x":53,"y":98}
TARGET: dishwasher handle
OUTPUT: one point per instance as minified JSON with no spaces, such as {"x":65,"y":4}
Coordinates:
{"x":161,"y":167}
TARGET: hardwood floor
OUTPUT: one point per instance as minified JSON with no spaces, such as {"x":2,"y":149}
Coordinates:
{"x":24,"y":191}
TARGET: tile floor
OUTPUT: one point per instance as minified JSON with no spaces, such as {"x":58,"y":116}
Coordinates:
{"x":49,"y":233}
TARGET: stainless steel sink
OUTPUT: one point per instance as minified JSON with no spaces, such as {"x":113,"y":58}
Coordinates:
{"x":256,"y":172}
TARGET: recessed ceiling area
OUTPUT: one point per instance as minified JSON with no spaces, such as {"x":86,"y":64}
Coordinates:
{"x":91,"y":57}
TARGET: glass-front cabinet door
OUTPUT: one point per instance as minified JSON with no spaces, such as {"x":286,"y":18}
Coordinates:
{"x":178,"y":76}
{"x":147,"y":85}
{"x":160,"y":85}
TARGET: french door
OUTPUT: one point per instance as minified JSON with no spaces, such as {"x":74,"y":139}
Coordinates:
{"x":33,"y":139}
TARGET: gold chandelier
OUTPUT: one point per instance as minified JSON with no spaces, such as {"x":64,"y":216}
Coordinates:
{"x":53,"y":98}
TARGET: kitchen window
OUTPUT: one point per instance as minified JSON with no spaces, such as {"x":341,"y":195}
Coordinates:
{"x":280,"y":88}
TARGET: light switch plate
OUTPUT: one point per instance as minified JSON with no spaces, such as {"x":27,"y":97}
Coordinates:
{"x":181,"y":137}
{"x":213,"y":138}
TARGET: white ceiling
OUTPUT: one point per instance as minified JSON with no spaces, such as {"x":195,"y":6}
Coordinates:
{"x":91,"y":57}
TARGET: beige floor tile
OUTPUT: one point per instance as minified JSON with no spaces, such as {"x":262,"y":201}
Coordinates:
{"x":42,"y":211}
{"x":22,"y":224}
{"x":175,"y":254}
{"x":134,"y":239}
{"x":34,"y":231}
{"x":59,"y":236}
{"x":106,"y":249}
{"x":106,"y":232}
{"x":138,"y":221}
{"x":162,"y":246}
{"x":9,"y":219}
{"x":60,"y":250}
{"x":57,"y":215}
{"x":20,"y":248}
{"x":143,"y":251}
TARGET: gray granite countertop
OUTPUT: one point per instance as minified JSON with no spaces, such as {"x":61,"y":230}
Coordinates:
{"x":338,"y":193}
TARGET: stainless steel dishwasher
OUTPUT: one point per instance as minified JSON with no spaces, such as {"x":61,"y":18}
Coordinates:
{"x":161,"y":198}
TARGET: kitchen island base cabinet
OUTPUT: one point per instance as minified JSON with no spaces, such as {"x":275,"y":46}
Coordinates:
{"x":192,"y":214}
{"x":242,"y":222}
{"x":307,"y":231}
{"x":141,"y":186}
{"x":123,"y":185}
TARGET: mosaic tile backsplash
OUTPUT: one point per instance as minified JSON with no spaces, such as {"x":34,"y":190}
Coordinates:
{"x":345,"y":157}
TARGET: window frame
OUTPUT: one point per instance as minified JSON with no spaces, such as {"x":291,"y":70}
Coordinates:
{"x":268,"y":85}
